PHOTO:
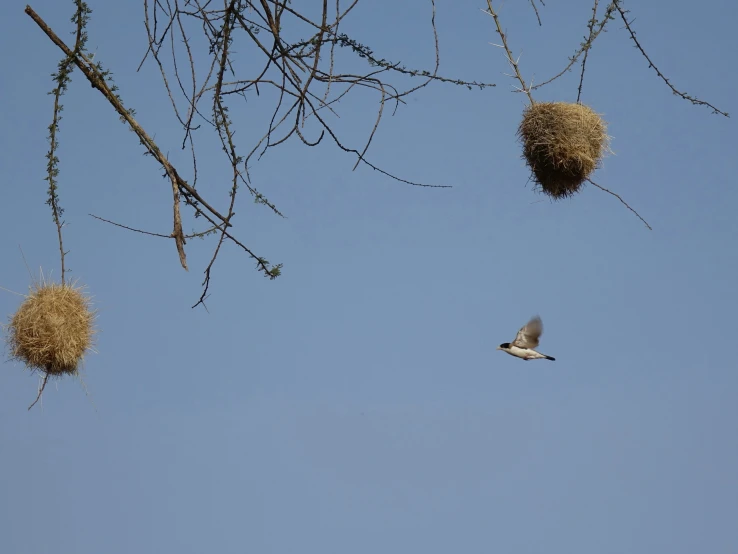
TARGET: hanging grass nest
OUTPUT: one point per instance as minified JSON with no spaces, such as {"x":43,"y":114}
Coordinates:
{"x":563,"y":144}
{"x":52,"y":329}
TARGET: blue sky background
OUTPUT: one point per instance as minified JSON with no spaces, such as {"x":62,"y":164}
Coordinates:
{"x":357,"y":403}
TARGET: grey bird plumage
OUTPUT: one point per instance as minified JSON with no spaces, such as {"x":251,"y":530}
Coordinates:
{"x":526,"y":341}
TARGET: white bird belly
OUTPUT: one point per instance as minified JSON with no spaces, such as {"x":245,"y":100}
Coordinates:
{"x":525,"y":353}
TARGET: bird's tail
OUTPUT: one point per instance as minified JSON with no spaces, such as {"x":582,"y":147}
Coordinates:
{"x":550,"y":358}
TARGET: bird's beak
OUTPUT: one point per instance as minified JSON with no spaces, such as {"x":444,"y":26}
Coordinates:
{"x":498,"y":348}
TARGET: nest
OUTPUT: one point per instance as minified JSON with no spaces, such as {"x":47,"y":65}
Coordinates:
{"x":52,"y":329}
{"x":563,"y":144}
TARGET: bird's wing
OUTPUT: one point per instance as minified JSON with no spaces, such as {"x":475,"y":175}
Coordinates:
{"x":528,"y":335}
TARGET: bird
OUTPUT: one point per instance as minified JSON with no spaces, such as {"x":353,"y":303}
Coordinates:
{"x":525,"y":341}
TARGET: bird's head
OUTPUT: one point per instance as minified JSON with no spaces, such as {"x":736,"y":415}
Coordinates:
{"x":504,"y":346}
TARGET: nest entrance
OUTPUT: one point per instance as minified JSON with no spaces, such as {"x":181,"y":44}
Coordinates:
{"x":563,"y":144}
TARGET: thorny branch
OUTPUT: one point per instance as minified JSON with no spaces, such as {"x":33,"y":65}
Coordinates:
{"x":585,"y":46}
{"x":590,"y":39}
{"x":294,"y":53}
{"x":98,"y":78}
{"x":696,"y":101}
{"x":510,"y":59}
{"x":62,"y":79}
{"x":268,"y":38}
{"x":596,"y":27}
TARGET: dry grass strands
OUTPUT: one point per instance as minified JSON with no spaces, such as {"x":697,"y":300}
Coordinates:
{"x":52,"y":329}
{"x":563,"y":144}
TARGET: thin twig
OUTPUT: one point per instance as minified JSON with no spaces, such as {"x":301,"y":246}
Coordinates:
{"x":308,"y":83}
{"x":585,"y":46}
{"x":590,"y":39}
{"x":160,"y":235}
{"x":98,"y":82}
{"x":512,"y":61}
{"x":692,"y":99}
{"x":97,"y":79}
{"x":40,"y":390}
{"x":535,"y":9}
{"x":61,"y":77}
{"x":623,"y":201}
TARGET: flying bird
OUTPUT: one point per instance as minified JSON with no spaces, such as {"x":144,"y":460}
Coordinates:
{"x":526,"y":341}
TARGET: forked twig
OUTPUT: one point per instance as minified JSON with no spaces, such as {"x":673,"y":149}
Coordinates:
{"x":583,"y":47}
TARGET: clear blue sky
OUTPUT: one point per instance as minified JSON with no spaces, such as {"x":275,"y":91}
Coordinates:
{"x":357,"y":404}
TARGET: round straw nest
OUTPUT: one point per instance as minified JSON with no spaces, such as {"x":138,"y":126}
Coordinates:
{"x":52,"y":329}
{"x":563,"y":144}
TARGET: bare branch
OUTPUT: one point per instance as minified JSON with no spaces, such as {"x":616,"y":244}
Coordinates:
{"x":510,"y":59}
{"x":692,"y":99}
{"x":131,"y":228}
{"x":40,"y":389}
{"x":294,"y":66}
{"x":623,"y":201}
{"x":180,"y":188}
{"x":584,"y":46}
{"x":62,"y":79}
{"x":160,"y":235}
{"x":590,"y":40}
{"x":535,"y":9}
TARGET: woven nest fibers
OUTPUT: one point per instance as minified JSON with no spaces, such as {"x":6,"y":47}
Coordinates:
{"x":52,"y":329}
{"x":563,"y":144}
